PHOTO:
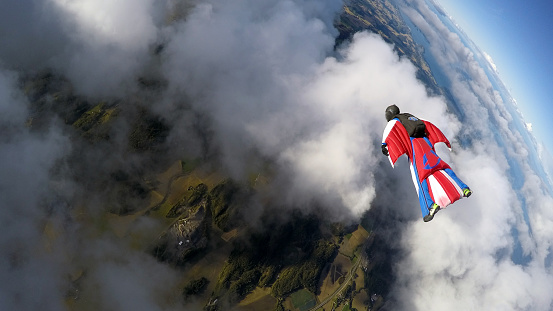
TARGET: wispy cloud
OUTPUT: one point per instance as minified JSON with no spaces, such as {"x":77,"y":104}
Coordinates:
{"x":26,"y":160}
{"x":490,"y":61}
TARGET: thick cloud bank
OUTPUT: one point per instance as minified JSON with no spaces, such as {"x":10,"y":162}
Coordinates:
{"x":24,"y":188}
{"x":266,"y":79}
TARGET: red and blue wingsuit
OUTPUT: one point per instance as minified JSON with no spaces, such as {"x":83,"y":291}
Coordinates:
{"x":436,"y":184}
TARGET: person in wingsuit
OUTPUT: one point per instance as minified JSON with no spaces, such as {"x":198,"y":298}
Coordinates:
{"x":436,"y":184}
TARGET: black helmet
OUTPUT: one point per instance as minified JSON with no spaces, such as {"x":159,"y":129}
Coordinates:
{"x":391,"y":112}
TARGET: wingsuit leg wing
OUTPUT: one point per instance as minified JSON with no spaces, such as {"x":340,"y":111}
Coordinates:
{"x":442,"y":187}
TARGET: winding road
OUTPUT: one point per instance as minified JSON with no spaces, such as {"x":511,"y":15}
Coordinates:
{"x":167,"y":191}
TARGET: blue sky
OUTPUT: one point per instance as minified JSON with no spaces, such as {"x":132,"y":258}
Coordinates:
{"x":518,"y":36}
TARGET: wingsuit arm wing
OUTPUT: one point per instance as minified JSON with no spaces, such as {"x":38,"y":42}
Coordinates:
{"x":397,"y":140}
{"x":435,"y":135}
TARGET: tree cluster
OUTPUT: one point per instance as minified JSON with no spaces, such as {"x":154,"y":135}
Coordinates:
{"x":195,"y":287}
{"x":305,"y":274}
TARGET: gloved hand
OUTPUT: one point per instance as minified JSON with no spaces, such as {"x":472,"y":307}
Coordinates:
{"x":384,"y":150}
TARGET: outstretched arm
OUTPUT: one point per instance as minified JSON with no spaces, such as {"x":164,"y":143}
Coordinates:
{"x":435,"y":135}
{"x":395,"y":141}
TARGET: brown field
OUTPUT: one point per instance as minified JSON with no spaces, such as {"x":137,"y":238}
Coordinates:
{"x":359,"y":279}
{"x":259,"y":299}
{"x":155,"y":197}
{"x":179,"y":185}
{"x":288,"y":305}
{"x":227,"y":236}
{"x":340,"y":266}
{"x":359,"y":301}
{"x":357,"y":238}
{"x":164,"y":177}
{"x":208,"y":267}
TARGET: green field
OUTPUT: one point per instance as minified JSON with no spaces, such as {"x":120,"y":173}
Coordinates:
{"x":303,"y":300}
{"x":347,"y":308}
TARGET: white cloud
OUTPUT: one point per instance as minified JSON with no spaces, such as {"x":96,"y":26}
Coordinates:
{"x":108,"y":43}
{"x":490,"y":61}
{"x":26,"y":160}
{"x":110,"y":22}
{"x":547,"y":160}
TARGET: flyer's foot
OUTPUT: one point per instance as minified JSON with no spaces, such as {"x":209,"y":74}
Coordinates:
{"x":467,"y":192}
{"x":431,"y":212}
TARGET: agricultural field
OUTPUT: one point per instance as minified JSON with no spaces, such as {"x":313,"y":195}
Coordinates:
{"x":302,"y":300}
{"x":258,"y":299}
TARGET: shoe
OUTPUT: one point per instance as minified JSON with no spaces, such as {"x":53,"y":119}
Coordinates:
{"x":431,"y":212}
{"x":467,"y":192}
